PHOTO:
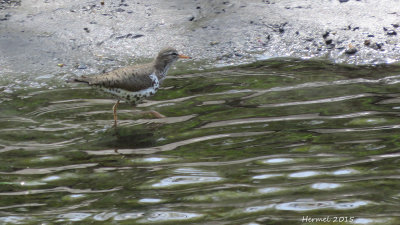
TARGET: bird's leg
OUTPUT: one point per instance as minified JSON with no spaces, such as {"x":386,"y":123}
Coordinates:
{"x":154,"y":114}
{"x":115,"y":113}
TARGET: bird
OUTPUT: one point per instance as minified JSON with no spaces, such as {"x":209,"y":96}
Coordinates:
{"x":134,"y":83}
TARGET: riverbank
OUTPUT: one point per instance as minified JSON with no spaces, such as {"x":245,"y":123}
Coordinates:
{"x":84,"y":37}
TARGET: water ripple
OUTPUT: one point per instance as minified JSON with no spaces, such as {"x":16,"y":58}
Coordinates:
{"x":183,"y":180}
{"x":104,"y":216}
{"x":57,"y":189}
{"x":31,"y":145}
{"x":14,"y":219}
{"x":22,"y":205}
{"x":318,"y":101}
{"x":313,"y":85}
{"x":172,"y":146}
{"x":313,"y":116}
{"x":313,"y":205}
{"x":128,"y":216}
{"x":281,"y":139}
{"x":341,"y":130}
{"x":51,"y":170}
{"x":171,"y":216}
{"x":325,"y":186}
{"x":73,"y":216}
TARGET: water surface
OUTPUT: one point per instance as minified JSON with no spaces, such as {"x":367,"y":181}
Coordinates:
{"x":267,"y":143}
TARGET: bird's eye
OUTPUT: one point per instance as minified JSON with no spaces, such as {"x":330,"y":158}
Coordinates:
{"x":174,"y":53}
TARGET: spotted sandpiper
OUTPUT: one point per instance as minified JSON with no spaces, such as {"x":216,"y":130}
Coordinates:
{"x":134,"y":83}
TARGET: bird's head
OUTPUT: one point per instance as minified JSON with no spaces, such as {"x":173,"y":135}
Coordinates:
{"x":169,"y":55}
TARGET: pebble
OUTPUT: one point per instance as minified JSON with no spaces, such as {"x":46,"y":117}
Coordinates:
{"x":326,"y":34}
{"x":329,"y":41}
{"x":330,"y":46}
{"x":130,"y":36}
{"x":214,"y":43}
{"x":238,"y":54}
{"x":376,"y":46}
{"x":350,"y":51}
{"x":391,"y":32}
{"x":6,"y":17}
{"x":81,"y":66}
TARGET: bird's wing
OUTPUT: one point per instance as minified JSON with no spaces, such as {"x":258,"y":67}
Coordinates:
{"x":132,"y":78}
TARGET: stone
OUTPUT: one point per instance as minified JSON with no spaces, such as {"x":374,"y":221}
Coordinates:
{"x":351,"y":51}
{"x":391,"y":32}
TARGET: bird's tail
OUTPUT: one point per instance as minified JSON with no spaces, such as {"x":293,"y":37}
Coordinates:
{"x":82,"y":79}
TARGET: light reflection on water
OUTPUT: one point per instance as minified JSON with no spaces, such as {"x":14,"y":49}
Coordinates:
{"x":259,"y":144}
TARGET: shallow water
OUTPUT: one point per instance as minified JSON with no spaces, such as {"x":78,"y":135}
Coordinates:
{"x":268,"y":143}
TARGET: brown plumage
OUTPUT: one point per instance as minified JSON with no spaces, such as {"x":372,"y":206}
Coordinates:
{"x":134,"y":83}
{"x":131,"y":78}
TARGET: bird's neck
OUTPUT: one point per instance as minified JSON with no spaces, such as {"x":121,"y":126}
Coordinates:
{"x":161,"y":68}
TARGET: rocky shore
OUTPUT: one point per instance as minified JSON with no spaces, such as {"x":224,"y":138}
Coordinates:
{"x":74,"y":37}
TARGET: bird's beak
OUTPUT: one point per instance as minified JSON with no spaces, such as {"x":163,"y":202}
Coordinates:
{"x":184,"y":57}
